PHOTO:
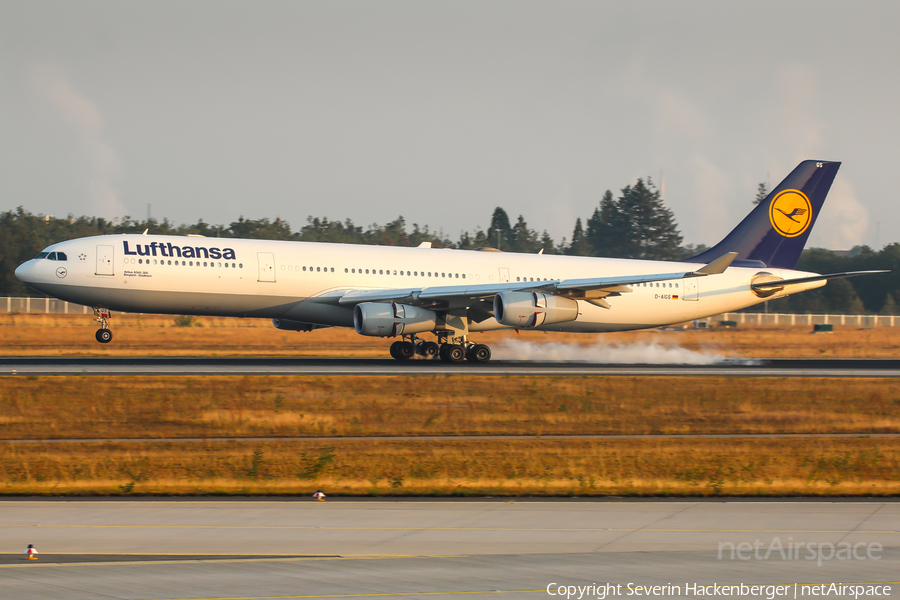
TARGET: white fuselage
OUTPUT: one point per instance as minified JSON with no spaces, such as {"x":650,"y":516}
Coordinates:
{"x":301,"y":281}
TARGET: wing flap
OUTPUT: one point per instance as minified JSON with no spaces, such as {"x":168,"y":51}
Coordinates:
{"x":596,"y":283}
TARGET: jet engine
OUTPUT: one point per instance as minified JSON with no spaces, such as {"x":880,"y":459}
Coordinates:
{"x":389,"y":320}
{"x":288,"y":325}
{"x":530,"y":309}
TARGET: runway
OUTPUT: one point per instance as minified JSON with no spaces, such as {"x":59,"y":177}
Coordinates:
{"x":367,"y":366}
{"x":165,"y":549}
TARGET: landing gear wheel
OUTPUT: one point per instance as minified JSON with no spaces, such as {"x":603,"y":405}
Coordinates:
{"x":452,"y":353}
{"x":104,"y":336}
{"x":402,"y":350}
{"x":427,"y":350}
{"x":478,"y":353}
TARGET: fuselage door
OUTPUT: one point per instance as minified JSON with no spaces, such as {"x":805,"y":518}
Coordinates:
{"x":691,"y":288}
{"x":504,"y":275}
{"x":266,"y":266}
{"x":104,"y":260}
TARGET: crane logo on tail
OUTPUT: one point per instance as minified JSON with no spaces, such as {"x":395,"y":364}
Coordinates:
{"x":790,"y":213}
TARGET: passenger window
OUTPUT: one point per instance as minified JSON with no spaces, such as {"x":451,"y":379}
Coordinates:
{"x":464,"y":275}
{"x":332,"y":269}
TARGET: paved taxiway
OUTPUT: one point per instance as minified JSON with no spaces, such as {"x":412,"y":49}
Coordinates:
{"x":438,"y":549}
{"x":364,"y":366}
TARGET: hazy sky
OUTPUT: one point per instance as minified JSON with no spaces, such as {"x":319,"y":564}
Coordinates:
{"x":440,"y":111}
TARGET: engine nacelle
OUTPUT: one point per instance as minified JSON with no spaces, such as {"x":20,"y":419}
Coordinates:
{"x":288,"y":325}
{"x":389,"y":320}
{"x":530,"y":309}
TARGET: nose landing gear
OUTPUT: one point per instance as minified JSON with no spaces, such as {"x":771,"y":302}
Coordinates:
{"x":102,"y":316}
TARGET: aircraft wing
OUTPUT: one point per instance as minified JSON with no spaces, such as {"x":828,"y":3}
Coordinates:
{"x":593,"y":287}
{"x":429,"y":295}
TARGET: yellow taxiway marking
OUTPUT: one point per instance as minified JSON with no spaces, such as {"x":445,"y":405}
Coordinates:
{"x":368,"y":595}
{"x":186,"y":559}
{"x":398,"y":528}
{"x":470,"y":592}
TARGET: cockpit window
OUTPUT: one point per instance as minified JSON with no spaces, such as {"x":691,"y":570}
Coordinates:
{"x":52,"y":256}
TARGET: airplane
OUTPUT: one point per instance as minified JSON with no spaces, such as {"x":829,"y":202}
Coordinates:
{"x":399,"y":292}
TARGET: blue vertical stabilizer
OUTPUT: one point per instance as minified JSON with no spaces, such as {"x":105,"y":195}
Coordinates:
{"x":776,"y":231}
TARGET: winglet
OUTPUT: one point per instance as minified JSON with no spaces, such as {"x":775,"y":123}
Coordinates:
{"x":719,"y":265}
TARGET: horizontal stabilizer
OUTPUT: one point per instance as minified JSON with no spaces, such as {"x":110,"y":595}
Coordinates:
{"x":780,"y":283}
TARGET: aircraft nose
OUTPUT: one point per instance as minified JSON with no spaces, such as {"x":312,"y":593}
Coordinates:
{"x":24,"y":272}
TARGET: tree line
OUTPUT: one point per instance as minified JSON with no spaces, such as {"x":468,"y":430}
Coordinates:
{"x":633,"y":224}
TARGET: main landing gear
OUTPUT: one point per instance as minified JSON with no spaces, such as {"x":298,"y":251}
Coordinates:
{"x":102,"y":316}
{"x":450,"y":351}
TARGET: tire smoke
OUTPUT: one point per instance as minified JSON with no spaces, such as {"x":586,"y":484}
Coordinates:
{"x":639,"y":353}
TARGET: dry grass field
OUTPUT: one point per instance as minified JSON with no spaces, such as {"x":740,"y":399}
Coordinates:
{"x":248,"y":406}
{"x":811,"y":467}
{"x":156,"y":335}
{"x":207,"y":407}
